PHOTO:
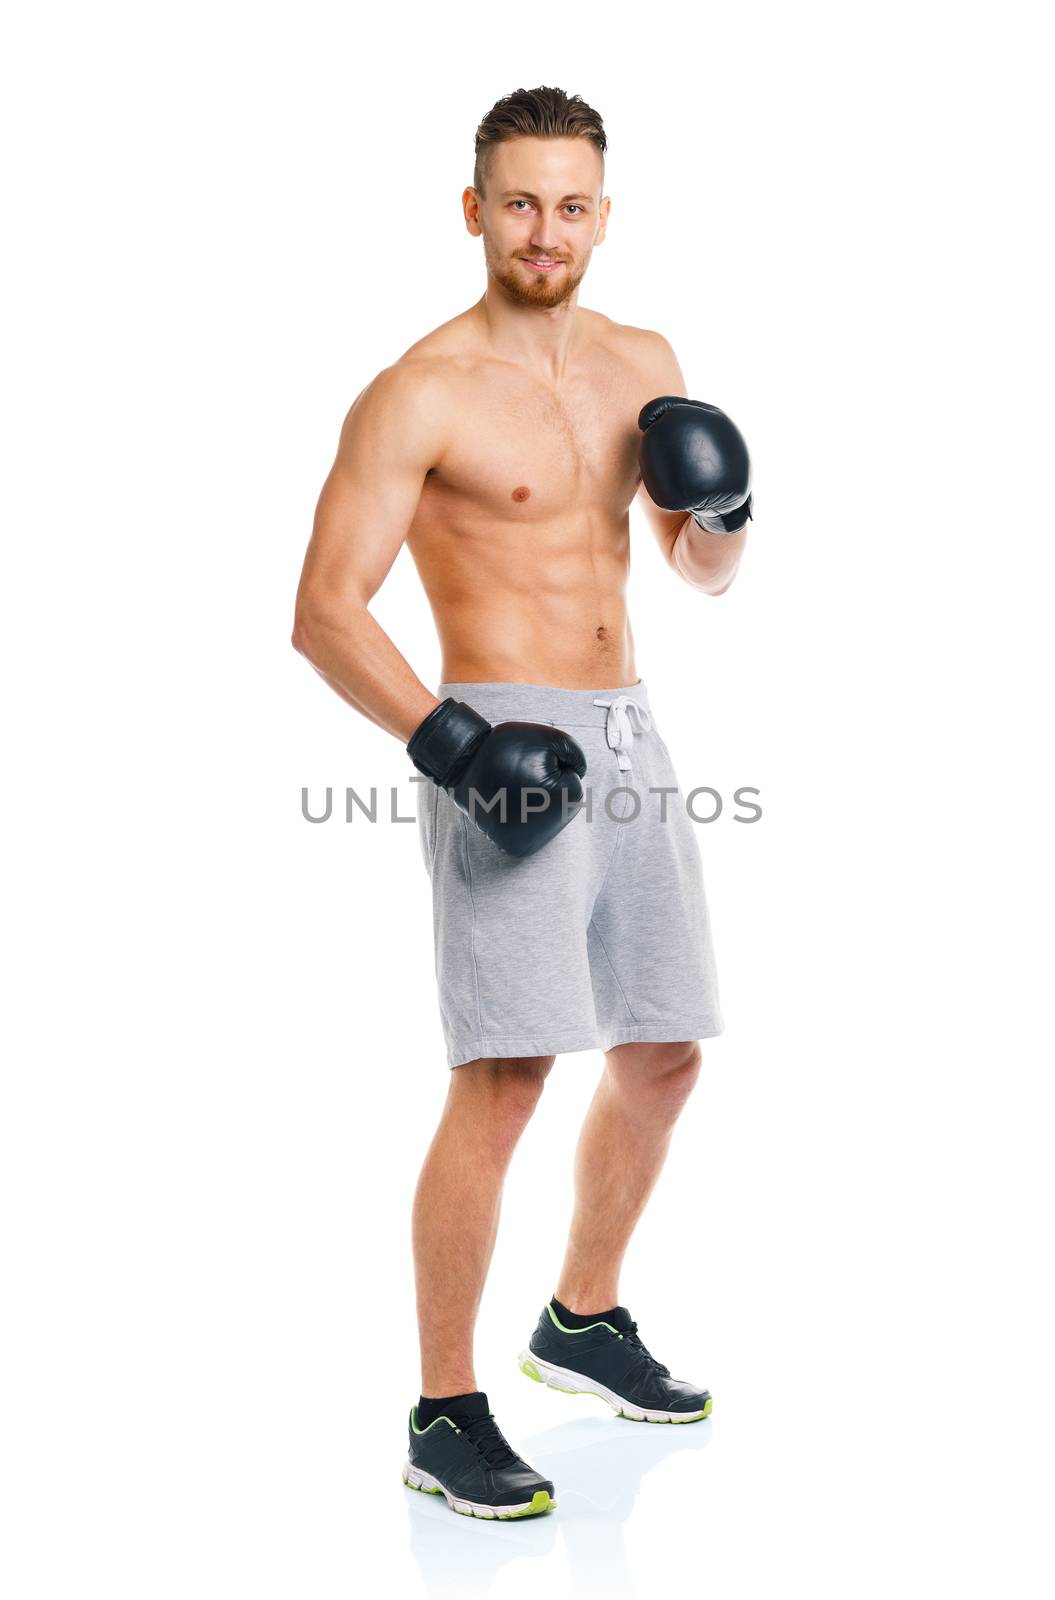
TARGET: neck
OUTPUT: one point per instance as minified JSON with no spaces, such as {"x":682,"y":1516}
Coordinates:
{"x":533,"y":336}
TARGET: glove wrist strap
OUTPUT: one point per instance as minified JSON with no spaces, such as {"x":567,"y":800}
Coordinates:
{"x":724,"y":522}
{"x":443,"y":745}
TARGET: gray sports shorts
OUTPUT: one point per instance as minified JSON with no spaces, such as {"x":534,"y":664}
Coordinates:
{"x":600,"y":937}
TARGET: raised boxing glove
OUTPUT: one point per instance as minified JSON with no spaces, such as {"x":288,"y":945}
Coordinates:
{"x":518,"y":781}
{"x":693,"y":458}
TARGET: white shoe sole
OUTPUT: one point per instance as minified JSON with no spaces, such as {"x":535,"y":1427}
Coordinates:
{"x":415,"y":1478}
{"x":569,"y":1382}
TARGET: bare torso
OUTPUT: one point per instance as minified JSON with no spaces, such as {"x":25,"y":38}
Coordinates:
{"x":521,"y":535}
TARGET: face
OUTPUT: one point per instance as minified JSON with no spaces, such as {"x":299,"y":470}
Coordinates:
{"x":541,"y":217}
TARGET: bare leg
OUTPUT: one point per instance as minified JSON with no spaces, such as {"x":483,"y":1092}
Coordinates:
{"x":621,"y":1151}
{"x":457,"y":1204}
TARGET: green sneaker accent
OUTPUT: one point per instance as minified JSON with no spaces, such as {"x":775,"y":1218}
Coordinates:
{"x":433,"y":1424}
{"x":540,"y":1502}
{"x":530,"y":1370}
{"x":557,"y":1323}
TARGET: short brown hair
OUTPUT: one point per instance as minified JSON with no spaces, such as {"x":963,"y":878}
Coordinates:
{"x":535,"y":113}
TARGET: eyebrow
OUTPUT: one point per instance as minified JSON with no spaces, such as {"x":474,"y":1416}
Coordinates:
{"x":525,"y":194}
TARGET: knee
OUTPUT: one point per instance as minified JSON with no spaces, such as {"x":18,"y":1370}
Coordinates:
{"x":517,"y":1081}
{"x":663,"y":1075}
{"x":505,"y":1091}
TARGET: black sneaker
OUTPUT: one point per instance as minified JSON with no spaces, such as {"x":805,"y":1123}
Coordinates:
{"x":465,"y":1458}
{"x":608,"y":1359}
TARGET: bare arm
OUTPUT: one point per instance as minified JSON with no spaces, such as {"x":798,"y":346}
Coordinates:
{"x":707,"y":561}
{"x":392,"y":435}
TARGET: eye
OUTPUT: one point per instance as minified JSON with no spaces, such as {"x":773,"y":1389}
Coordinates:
{"x":519,"y":202}
{"x":573,"y":207}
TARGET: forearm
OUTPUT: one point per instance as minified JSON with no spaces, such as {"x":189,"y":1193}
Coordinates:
{"x":707,"y":561}
{"x":349,"y":648}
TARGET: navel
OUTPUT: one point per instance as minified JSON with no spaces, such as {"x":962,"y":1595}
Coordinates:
{"x":522,"y":492}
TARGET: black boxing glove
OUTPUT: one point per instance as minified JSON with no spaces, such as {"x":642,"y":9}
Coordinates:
{"x":693,"y":458}
{"x":518,"y":781}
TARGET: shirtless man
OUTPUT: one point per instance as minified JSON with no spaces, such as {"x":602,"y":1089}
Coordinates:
{"x":505,"y":449}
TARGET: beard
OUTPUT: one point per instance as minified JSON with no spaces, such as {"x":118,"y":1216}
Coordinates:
{"x":527,"y":288}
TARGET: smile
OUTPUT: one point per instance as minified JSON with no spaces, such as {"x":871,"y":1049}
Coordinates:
{"x":541,"y":266}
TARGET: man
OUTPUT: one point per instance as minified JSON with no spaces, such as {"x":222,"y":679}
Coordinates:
{"x":505,"y":449}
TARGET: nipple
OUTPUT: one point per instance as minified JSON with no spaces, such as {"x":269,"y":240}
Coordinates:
{"x":522,"y":492}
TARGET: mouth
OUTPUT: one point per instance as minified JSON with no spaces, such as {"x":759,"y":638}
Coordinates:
{"x":540,"y":264}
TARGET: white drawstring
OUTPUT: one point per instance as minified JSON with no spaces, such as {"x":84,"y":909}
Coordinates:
{"x":620,"y":729}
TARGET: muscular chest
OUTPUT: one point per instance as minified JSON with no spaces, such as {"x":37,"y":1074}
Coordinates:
{"x":524,"y":451}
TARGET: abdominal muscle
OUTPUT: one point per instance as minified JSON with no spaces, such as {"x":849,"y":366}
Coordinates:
{"x":539,"y":606}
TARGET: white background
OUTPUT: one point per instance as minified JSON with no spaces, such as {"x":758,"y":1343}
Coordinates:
{"x":225,"y":1063}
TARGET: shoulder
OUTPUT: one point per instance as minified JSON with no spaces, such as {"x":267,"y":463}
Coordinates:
{"x":427,"y":375}
{"x":444,"y":350}
{"x":643,"y":349}
{"x":646,"y":346}
{"x":411,"y":380}
{"x":402,"y":413}
{"x":413,"y":392}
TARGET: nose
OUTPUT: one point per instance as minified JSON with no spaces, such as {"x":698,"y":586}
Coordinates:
{"x":544,"y":239}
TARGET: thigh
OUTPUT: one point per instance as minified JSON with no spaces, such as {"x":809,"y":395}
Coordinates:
{"x":651,"y":950}
{"x":511,"y":943}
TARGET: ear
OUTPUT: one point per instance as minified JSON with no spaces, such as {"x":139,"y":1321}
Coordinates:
{"x":471,"y":210}
{"x":605,"y":207}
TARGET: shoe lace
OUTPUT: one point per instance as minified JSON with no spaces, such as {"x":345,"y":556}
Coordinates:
{"x":632,"y":1335}
{"x":488,"y":1438}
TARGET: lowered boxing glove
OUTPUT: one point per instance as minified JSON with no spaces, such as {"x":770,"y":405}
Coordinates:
{"x":693,"y":458}
{"x":518,"y":781}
